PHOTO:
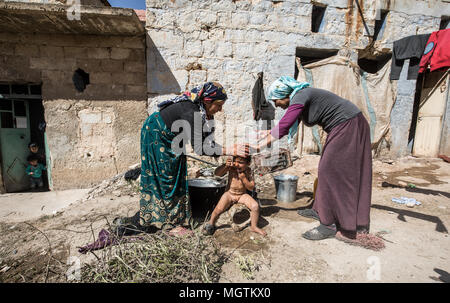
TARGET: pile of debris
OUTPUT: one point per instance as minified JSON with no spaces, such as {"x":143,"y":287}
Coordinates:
{"x":126,"y":183}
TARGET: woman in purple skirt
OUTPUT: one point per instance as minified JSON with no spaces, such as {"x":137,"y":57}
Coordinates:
{"x":343,"y":195}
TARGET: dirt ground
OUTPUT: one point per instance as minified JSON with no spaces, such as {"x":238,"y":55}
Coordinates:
{"x":416,"y":239}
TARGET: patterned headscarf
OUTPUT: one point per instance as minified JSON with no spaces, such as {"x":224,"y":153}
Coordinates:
{"x":206,"y":93}
{"x":284,"y":87}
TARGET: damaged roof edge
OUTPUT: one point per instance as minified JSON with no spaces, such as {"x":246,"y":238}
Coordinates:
{"x":20,"y":17}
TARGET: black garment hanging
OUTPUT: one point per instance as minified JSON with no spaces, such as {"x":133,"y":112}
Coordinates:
{"x":411,"y":48}
{"x":262,"y":110}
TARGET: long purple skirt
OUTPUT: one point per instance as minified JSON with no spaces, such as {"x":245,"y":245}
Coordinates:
{"x":344,"y":189}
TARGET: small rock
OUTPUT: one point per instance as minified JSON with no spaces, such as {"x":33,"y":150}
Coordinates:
{"x":116,"y":193}
{"x":12,"y":227}
{"x":384,"y":177}
{"x":411,"y":204}
{"x":83,"y":219}
{"x":391,"y":212}
{"x":402,"y":183}
{"x":14,"y":251}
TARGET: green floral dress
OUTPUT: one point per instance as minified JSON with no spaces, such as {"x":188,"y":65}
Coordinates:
{"x":164,"y":201}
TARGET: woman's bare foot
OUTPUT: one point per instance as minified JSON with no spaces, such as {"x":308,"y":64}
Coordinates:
{"x":258,"y":230}
{"x":346,"y":236}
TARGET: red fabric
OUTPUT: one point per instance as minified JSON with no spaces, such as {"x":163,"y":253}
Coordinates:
{"x":439,"y":56}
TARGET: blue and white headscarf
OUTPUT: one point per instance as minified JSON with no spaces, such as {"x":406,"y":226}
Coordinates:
{"x":284,"y":87}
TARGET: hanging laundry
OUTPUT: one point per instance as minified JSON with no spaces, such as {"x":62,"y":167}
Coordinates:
{"x":262,"y":110}
{"x":411,"y":48}
{"x":437,"y":51}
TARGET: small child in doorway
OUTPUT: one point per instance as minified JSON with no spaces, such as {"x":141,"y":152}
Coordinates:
{"x":34,"y":149}
{"x":34,"y":170}
{"x":240,"y":180}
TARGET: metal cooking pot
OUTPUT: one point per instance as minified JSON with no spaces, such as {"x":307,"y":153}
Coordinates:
{"x":204,"y":195}
{"x":286,"y":187}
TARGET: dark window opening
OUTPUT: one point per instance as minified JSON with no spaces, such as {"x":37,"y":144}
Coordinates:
{"x":20,"y":109}
{"x":7,"y":120}
{"x":372,"y":66}
{"x":317,"y":17}
{"x":380,"y":24}
{"x":4,"y":89}
{"x":35,"y":90}
{"x":80,"y":79}
{"x":445,"y":20}
{"x":311,"y":55}
{"x":19,"y":89}
{"x":5,"y":105}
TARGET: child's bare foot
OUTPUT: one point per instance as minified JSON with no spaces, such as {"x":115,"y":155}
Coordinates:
{"x":258,"y":230}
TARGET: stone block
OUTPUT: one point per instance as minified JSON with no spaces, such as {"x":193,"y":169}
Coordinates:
{"x":56,"y":76}
{"x":224,"y":19}
{"x":134,"y":66}
{"x":75,"y":52}
{"x":133,"y":42}
{"x":88,"y":65}
{"x":136,"y":90}
{"x":240,"y":19}
{"x":193,"y":49}
{"x":166,"y":82}
{"x":26,"y":50}
{"x":258,"y":18}
{"x":235,"y":35}
{"x":197,"y":77}
{"x":129,"y":78}
{"x":110,"y":65}
{"x":99,"y":53}
{"x":187,"y":22}
{"x":164,"y":39}
{"x":207,"y":18}
{"x":7,"y":48}
{"x":120,"y":53}
{"x":242,"y":50}
{"x":233,"y":65}
{"x":100,"y":77}
{"x":51,"y":51}
{"x":224,"y":49}
{"x":53,"y":63}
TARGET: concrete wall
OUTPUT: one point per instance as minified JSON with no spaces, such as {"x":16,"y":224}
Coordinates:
{"x":94,"y":134}
{"x":190,"y":42}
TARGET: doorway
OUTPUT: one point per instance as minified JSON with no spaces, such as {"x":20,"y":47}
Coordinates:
{"x":429,"y":113}
{"x":21,"y":122}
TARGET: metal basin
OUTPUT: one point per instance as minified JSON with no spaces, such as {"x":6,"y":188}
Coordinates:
{"x":204,"y":195}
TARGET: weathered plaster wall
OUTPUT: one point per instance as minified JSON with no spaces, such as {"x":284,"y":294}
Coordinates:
{"x":445,"y":137}
{"x":92,"y":134}
{"x":190,"y":42}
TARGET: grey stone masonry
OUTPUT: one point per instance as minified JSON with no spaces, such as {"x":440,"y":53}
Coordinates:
{"x":230,"y":41}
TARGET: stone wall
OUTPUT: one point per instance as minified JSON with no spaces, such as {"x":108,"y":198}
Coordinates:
{"x":94,"y":134}
{"x":230,"y":41}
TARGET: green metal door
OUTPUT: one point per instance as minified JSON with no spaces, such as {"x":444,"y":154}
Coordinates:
{"x":14,"y":139}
